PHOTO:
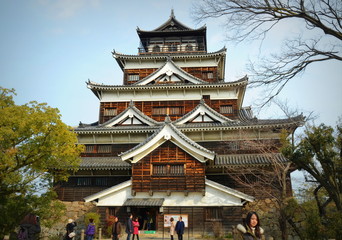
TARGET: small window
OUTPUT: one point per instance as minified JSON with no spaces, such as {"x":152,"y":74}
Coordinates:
{"x":188,"y":47}
{"x":159,"y":111}
{"x":173,"y":48}
{"x":83,"y":181}
{"x":101,"y":181}
{"x":110,"y":112}
{"x":177,"y":169}
{"x":233,"y":145}
{"x":133,"y":77}
{"x":156,"y":48}
{"x":104,"y":149}
{"x":160,"y":170}
{"x":226,"y":109}
{"x":167,"y":111}
{"x":90,"y":148}
{"x":208,"y":75}
{"x":213,"y":214}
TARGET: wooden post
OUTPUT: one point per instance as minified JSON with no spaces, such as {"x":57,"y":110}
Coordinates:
{"x":82,"y":234}
{"x":100,"y":233}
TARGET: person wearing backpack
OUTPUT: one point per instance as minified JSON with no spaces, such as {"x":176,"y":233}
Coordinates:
{"x":90,"y":232}
{"x":29,"y":228}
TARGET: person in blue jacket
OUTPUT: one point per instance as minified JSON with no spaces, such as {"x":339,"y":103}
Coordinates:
{"x":90,"y":232}
{"x":180,"y":228}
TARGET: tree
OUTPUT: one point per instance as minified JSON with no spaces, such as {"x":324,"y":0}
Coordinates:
{"x":254,"y":19}
{"x":271,"y":181}
{"x":319,"y":153}
{"x":36,"y":148}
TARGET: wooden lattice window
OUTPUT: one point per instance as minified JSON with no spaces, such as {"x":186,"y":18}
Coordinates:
{"x":110,"y":112}
{"x":90,"y":148}
{"x":213,"y":214}
{"x":164,"y":170}
{"x":84,"y":181}
{"x":133,"y":77}
{"x":160,"y":170}
{"x":167,"y":110}
{"x":226,"y":109}
{"x":101,"y":181}
{"x":104,"y":149}
{"x":177,"y":169}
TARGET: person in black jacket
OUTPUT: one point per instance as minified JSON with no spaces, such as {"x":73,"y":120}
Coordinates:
{"x":70,"y":229}
{"x":116,"y":229}
{"x":30,"y":225}
{"x":129,"y":227}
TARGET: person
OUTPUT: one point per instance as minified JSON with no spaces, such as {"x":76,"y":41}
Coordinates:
{"x":251,"y":229}
{"x":172,"y":227}
{"x":129,"y":227}
{"x":116,"y":229}
{"x":29,"y":227}
{"x":145,"y":218}
{"x":180,"y":228}
{"x":90,"y":231}
{"x":70,"y":229}
{"x":136,"y":227}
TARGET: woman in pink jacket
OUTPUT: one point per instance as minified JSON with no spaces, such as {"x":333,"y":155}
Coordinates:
{"x":136,"y":228}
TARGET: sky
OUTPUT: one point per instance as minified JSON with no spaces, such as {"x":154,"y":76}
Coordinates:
{"x":50,"y":48}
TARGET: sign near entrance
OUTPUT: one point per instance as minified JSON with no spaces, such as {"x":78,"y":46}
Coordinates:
{"x":175,"y":217}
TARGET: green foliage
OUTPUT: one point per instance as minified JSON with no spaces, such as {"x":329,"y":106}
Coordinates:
{"x":92,"y":215}
{"x":319,"y":153}
{"x":36,"y":148}
{"x":109,"y":224}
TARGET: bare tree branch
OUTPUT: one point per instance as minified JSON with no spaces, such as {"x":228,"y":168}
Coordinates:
{"x":254,"y":19}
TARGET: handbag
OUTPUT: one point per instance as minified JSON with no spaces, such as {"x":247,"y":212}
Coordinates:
{"x":72,"y":234}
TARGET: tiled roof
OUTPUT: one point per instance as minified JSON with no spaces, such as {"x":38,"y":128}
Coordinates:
{"x":144,"y":202}
{"x":248,"y":159}
{"x":174,"y":55}
{"x":100,"y":163}
{"x":244,"y":123}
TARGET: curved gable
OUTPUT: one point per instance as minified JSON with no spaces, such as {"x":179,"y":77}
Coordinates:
{"x":169,"y":73}
{"x":203,"y":113}
{"x":131,"y":116}
{"x":167,"y":132}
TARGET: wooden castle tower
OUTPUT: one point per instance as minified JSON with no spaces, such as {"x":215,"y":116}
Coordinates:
{"x":165,"y":137}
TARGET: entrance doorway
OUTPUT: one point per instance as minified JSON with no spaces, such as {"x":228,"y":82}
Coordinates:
{"x":147,"y":217}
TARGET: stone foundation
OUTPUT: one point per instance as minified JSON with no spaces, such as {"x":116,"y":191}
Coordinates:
{"x":74,"y":210}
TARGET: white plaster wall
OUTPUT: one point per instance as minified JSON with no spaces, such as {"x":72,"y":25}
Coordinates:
{"x":213,"y":197}
{"x":168,"y":95}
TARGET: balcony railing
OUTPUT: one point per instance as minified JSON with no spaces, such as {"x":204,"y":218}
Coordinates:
{"x":172,"y":49}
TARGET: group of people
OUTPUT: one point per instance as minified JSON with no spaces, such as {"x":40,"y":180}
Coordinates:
{"x":70,"y":230}
{"x":30,"y":227}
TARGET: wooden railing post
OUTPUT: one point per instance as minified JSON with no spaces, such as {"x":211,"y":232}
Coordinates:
{"x":82,"y":234}
{"x":100,"y":233}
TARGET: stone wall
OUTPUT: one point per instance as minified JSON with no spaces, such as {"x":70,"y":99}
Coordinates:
{"x":75,"y":211}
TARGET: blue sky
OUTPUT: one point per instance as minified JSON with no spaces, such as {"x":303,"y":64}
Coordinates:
{"x":50,"y":48}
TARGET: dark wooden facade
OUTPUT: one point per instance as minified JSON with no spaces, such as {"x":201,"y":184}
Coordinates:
{"x":168,"y":168}
{"x":181,"y":108}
